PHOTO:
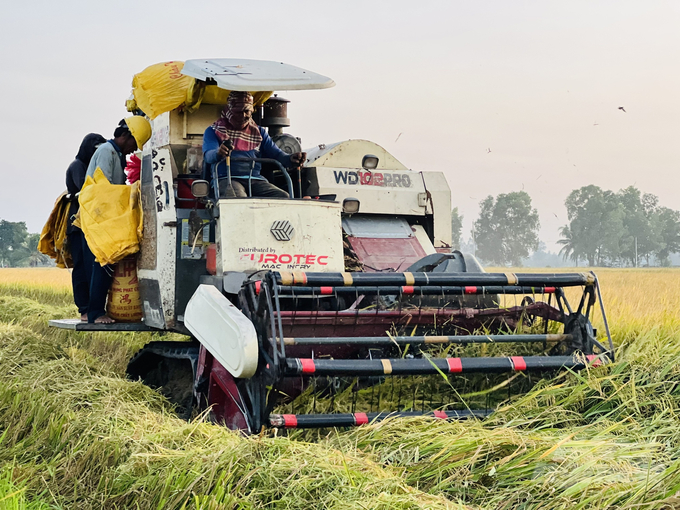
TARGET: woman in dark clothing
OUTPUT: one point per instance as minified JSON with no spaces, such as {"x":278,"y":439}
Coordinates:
{"x":80,"y":253}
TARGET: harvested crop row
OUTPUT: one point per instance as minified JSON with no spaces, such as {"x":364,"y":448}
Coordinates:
{"x":83,"y":437}
{"x":94,"y":440}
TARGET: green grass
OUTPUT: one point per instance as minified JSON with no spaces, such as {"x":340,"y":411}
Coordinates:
{"x":13,"y":493}
{"x":75,"y":434}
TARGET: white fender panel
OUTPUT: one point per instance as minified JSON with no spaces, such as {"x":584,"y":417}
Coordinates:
{"x":224,"y":331}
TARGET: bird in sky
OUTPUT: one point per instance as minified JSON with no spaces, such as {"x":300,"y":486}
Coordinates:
{"x":488,"y":150}
{"x":622,"y":109}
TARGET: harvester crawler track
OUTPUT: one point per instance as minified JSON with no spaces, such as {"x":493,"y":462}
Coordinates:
{"x":169,"y":367}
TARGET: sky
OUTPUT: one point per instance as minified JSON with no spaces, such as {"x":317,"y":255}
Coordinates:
{"x":501,"y":96}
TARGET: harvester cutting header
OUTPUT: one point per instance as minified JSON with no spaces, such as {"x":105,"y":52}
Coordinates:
{"x":319,"y":287}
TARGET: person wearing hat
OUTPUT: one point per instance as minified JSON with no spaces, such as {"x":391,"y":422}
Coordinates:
{"x":235,"y":133}
{"x":131,"y":134}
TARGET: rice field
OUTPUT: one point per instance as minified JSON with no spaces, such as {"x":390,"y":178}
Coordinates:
{"x":75,"y":434}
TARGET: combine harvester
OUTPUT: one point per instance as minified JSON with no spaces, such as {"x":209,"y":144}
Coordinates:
{"x":351,"y":303}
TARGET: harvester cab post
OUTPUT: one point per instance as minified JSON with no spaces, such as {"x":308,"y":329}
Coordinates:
{"x":336,"y":310}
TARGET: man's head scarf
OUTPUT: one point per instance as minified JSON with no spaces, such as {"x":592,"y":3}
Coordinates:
{"x":246,"y":139}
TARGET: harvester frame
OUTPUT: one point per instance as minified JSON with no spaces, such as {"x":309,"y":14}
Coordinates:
{"x":273,"y":311}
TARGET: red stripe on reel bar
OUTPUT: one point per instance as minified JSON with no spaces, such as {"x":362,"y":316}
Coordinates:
{"x":426,"y":290}
{"x":594,"y":360}
{"x":307,"y":365}
{"x":455,"y":365}
{"x":518,"y":363}
{"x":479,"y":279}
{"x":305,"y":421}
{"x":423,"y":366}
{"x":360,"y":418}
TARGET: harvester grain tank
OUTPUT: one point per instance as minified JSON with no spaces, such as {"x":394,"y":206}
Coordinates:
{"x":346,"y":293}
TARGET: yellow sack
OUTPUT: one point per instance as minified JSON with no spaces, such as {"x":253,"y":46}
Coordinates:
{"x":111,"y":218}
{"x":199,"y":93}
{"x":215,"y":95}
{"x":53,"y":236}
{"x":160,"y":88}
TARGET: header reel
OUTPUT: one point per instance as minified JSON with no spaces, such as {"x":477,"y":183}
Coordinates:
{"x":343,"y":349}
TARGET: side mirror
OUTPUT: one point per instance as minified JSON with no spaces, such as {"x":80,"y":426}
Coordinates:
{"x":200,"y":188}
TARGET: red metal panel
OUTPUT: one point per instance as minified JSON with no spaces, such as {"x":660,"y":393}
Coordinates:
{"x":378,"y":254}
{"x":211,"y":258}
{"x":225,"y":399}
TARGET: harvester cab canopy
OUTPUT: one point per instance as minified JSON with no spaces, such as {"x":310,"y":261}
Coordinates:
{"x":254,"y":75}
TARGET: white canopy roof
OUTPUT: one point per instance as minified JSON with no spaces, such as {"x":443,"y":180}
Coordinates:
{"x":255,"y":75}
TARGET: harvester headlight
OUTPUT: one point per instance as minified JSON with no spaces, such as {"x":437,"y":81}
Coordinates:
{"x":350,"y":206}
{"x":200,"y":188}
{"x":369,"y":162}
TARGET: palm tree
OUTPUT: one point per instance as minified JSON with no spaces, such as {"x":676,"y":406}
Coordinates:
{"x":569,"y":248}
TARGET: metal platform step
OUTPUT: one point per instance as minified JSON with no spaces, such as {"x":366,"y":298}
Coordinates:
{"x":431,"y":366}
{"x":303,"y":421}
{"x":78,"y":325}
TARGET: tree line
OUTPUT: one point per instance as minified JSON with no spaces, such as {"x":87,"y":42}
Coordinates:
{"x":18,"y":247}
{"x":605,"y":228}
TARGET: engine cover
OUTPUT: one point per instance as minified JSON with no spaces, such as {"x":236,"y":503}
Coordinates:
{"x":255,"y":234}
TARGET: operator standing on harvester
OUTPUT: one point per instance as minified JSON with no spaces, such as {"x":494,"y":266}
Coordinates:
{"x":235,"y":132}
{"x":131,"y":134}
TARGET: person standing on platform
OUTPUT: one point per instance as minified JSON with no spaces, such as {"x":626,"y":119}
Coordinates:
{"x":131,"y":134}
{"x":81,"y":275}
